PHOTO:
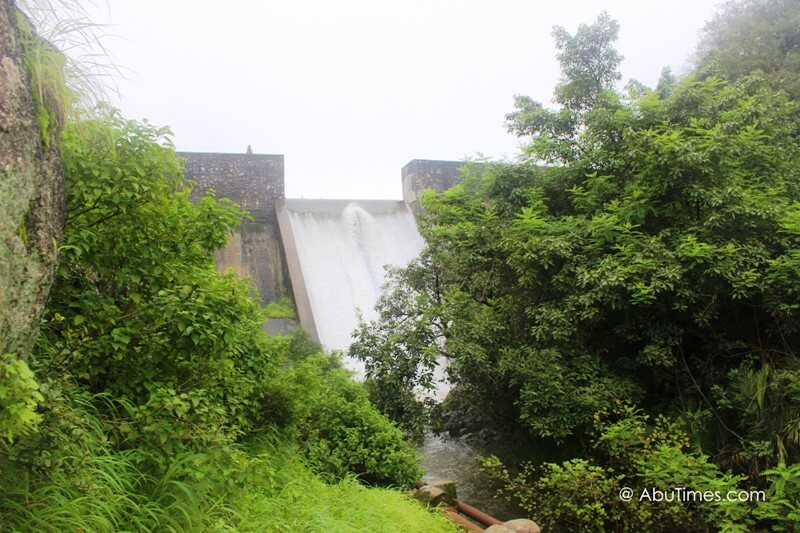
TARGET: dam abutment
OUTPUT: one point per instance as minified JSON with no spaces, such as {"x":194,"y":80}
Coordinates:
{"x":256,"y":183}
{"x":421,"y":174}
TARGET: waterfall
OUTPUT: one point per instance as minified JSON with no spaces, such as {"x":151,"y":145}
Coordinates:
{"x":343,"y":247}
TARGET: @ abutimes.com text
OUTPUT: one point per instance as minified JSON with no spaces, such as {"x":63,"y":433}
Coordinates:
{"x":686,"y":495}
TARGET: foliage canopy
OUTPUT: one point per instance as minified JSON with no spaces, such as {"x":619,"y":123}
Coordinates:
{"x":645,"y":250}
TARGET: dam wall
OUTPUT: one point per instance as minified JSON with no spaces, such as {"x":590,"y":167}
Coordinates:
{"x":255,"y":182}
{"x":329,"y":256}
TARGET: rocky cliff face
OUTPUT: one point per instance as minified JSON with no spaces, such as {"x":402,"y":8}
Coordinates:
{"x":32,"y":199}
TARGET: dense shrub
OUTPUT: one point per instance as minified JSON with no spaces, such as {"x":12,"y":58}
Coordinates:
{"x":19,"y":396}
{"x":635,"y":453}
{"x":138,"y":310}
{"x":781,"y":508}
{"x":401,"y":350}
{"x":340,"y":431}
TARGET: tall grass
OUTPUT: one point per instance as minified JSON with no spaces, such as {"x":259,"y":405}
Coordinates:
{"x":68,"y":53}
{"x":282,"y":494}
{"x":267,"y":487}
{"x":86,"y":487}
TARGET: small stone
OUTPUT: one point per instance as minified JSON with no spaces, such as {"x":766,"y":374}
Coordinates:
{"x":522,"y":525}
{"x":429,"y":495}
{"x":497,"y":529}
{"x":448,"y":487}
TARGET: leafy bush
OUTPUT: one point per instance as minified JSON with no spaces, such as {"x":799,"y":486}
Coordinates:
{"x":401,"y":350}
{"x":781,"y":506}
{"x":567,"y":497}
{"x":340,"y":432}
{"x":138,"y":310}
{"x":579,"y":494}
{"x":19,"y":396}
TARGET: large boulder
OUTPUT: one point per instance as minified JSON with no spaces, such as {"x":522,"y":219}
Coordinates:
{"x":32,"y":205}
{"x":32,"y":199}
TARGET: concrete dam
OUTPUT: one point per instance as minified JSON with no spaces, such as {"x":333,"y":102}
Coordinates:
{"x":328,"y":256}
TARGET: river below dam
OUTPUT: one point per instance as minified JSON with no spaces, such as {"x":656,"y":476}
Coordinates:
{"x":460,"y":461}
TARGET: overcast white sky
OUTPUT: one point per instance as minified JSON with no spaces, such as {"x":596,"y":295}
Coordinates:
{"x":351,"y":90}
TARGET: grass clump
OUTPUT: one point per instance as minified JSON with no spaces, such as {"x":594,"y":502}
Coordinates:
{"x":282,"y":308}
{"x":283,"y":494}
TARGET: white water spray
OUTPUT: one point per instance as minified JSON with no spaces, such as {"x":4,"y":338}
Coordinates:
{"x":343,"y":247}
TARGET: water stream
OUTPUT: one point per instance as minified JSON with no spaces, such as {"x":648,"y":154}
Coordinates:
{"x":459,"y":461}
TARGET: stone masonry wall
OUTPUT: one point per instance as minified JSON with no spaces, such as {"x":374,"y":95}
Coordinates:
{"x":254,"y":181}
{"x":421,"y":174}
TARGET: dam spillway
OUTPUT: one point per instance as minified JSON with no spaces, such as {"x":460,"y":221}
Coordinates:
{"x":337,"y":252}
{"x":328,"y":256}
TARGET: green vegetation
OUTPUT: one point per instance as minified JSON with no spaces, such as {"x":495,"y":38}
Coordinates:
{"x":400,"y":351}
{"x":282,"y":308}
{"x":160,"y":402}
{"x":340,"y":431}
{"x":624,"y":298}
{"x":292,"y":499}
{"x":749,"y":35}
{"x":265,"y":487}
{"x":49,"y":91}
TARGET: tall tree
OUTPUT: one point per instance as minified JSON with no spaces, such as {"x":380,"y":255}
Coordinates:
{"x":748,"y":35}
{"x":589,"y":65}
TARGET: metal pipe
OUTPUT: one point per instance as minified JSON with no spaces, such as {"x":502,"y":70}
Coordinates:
{"x":462,"y":522}
{"x":475,"y":514}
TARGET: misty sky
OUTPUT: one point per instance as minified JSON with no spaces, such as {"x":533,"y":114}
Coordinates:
{"x":350,"y":91}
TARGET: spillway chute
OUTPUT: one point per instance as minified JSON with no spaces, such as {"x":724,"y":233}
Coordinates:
{"x":336,"y":252}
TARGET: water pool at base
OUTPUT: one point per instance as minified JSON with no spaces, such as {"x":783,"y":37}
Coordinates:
{"x":454,"y":459}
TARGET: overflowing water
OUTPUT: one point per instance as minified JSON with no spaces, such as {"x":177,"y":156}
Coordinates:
{"x":343,"y":247}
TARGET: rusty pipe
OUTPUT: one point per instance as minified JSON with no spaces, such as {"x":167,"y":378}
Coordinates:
{"x":476,"y":514}
{"x":461,"y":522}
